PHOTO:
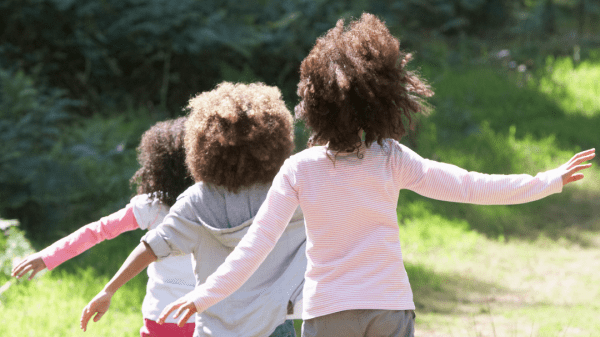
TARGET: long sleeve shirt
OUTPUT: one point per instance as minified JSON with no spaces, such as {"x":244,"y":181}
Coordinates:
{"x":88,"y":236}
{"x":168,"y":279}
{"x":349,"y":204}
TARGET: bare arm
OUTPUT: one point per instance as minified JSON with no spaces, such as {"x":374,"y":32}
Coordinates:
{"x":137,"y":261}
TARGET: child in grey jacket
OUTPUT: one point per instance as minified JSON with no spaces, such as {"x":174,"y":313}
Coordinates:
{"x":237,"y":138}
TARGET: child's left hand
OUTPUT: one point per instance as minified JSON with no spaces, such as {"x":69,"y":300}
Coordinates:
{"x":99,"y":304}
{"x":183,"y":304}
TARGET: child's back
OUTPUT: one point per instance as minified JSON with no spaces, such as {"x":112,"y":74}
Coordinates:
{"x":349,"y":204}
{"x":208,"y":221}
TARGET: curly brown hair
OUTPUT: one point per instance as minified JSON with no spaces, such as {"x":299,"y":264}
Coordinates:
{"x":355,"y":79}
{"x":238,"y":135}
{"x":161,"y":154}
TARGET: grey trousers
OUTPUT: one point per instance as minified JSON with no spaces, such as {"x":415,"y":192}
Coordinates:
{"x":363,"y":322}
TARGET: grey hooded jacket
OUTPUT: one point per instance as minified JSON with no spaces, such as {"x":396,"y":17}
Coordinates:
{"x":208,"y":221}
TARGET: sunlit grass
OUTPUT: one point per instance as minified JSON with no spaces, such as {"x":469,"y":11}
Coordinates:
{"x":52,"y":304}
{"x":575,"y":88}
{"x":522,"y":270}
{"x":466,"y":284}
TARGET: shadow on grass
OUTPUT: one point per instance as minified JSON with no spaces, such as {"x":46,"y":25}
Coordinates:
{"x":573,"y":215}
{"x":453,"y":293}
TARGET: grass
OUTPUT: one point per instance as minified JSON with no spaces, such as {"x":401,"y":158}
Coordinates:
{"x":492,"y":288}
{"x":522,"y":270}
{"x":51,"y":304}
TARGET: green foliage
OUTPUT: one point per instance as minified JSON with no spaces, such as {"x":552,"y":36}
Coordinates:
{"x":54,"y":178}
{"x":451,"y":16}
{"x":31,"y":121}
{"x":104,"y":150}
{"x":160,"y":53}
{"x":13,"y":244}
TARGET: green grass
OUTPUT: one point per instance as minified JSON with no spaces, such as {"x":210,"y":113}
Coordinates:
{"x":51,"y":304}
{"x":522,"y":270}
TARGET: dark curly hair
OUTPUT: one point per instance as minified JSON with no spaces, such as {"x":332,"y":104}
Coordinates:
{"x":238,"y":135}
{"x":161,"y":154}
{"x":355,"y":79}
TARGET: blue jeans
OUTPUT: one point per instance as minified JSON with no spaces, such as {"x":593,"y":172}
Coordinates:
{"x":285,"y":330}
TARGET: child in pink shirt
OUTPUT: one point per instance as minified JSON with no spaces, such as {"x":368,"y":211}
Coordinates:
{"x":357,"y":98}
{"x":160,"y":179}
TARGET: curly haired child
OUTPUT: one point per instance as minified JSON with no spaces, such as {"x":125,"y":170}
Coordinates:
{"x":160,"y":179}
{"x":237,"y":138}
{"x":358,"y":99}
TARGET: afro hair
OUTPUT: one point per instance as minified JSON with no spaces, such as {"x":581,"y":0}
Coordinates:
{"x":355,"y":79}
{"x":238,"y":135}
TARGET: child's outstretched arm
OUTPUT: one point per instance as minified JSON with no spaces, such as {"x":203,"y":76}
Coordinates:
{"x":447,"y":182}
{"x":137,"y":261}
{"x":76,"y":243}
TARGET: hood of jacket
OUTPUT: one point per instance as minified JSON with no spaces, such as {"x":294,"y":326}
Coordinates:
{"x":230,"y":237}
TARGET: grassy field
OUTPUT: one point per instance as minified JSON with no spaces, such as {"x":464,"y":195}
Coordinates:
{"x":524,"y":270}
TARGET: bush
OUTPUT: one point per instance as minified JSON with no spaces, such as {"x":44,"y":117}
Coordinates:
{"x":158,"y":52}
{"x":58,"y":172}
{"x":31,"y":121}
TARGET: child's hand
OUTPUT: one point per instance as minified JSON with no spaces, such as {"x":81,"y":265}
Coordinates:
{"x":183,"y":304}
{"x":573,"y":166}
{"x":32,"y":262}
{"x":99,"y":304}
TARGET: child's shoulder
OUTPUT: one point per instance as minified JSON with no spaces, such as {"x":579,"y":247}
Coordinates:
{"x":148,"y":210}
{"x":147,"y":201}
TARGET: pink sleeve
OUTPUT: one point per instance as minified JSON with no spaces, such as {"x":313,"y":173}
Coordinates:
{"x":269,"y":223}
{"x":447,"y":182}
{"x":89,"y":235}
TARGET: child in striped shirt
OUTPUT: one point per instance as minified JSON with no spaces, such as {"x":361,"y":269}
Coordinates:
{"x":358,"y":99}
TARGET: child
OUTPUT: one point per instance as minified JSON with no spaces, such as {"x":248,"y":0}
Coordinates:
{"x":237,"y":138}
{"x":356,"y":97}
{"x":160,"y":179}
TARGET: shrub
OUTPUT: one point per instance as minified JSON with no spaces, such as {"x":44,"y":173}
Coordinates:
{"x":31,"y":121}
{"x":58,"y":172}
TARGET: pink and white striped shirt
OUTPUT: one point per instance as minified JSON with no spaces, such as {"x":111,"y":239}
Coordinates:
{"x":353,"y":248}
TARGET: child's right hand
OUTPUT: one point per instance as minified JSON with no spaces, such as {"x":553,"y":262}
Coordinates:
{"x":574,"y":165}
{"x":32,"y":262}
{"x":99,"y":304}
